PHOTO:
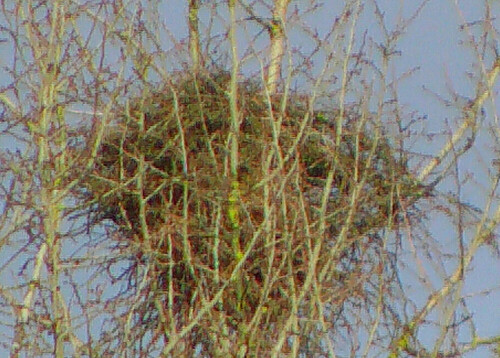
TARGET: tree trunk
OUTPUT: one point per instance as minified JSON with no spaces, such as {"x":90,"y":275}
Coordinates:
{"x":277,"y":36}
{"x":194,"y":35}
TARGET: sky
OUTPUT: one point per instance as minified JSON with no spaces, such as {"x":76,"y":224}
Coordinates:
{"x":435,"y":44}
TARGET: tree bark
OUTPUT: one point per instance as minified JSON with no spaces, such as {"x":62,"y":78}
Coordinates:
{"x":194,"y":35}
{"x":277,"y":36}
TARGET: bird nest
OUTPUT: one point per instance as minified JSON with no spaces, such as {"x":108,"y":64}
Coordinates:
{"x":163,"y":177}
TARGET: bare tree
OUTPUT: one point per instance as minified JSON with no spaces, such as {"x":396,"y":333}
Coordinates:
{"x":233,"y":194}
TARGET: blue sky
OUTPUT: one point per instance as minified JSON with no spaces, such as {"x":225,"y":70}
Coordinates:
{"x":438,"y":47}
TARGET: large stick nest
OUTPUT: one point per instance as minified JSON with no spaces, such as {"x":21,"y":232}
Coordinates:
{"x":162,"y":176}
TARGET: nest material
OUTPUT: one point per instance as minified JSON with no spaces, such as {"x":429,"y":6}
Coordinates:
{"x":162,"y":177}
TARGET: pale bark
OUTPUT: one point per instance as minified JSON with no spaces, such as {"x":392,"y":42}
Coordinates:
{"x":277,"y":37}
{"x":194,"y":35}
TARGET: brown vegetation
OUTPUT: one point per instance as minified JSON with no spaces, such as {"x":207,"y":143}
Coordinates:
{"x":161,"y":176}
